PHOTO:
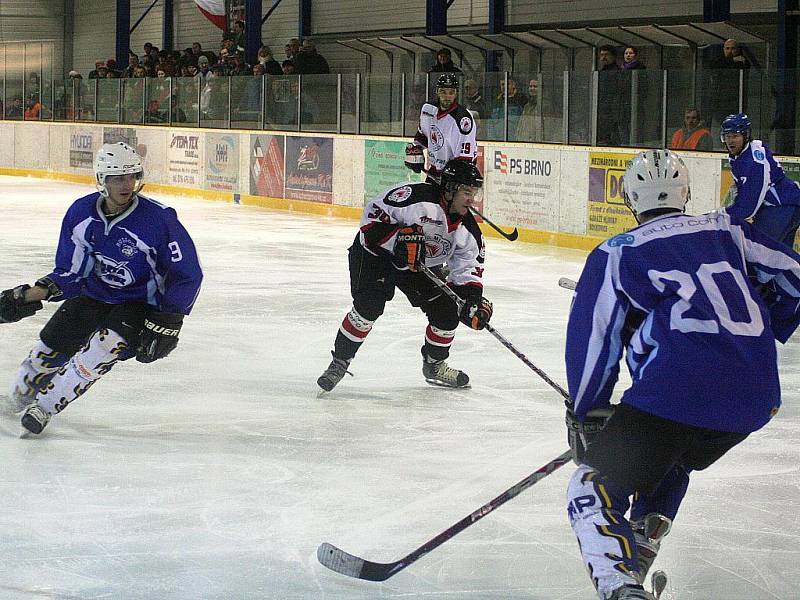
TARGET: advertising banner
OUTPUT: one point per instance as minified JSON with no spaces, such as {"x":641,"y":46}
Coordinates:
{"x":309,"y":169}
{"x":222,"y":162}
{"x":523,"y":187}
{"x":383,"y":166}
{"x":607,"y":213}
{"x":183,"y":158}
{"x":266,"y":165}
{"x":83,"y":143}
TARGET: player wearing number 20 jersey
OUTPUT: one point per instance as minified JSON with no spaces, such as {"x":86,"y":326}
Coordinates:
{"x":673,"y":291}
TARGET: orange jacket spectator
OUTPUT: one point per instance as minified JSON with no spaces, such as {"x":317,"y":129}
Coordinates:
{"x":692,"y":136}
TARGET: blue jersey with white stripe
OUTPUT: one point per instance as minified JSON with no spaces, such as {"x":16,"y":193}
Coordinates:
{"x":760,"y":181}
{"x":143,"y":254}
{"x":676,"y":293}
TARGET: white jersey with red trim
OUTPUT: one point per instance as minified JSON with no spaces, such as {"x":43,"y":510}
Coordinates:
{"x":447,"y":135}
{"x":455,"y":240}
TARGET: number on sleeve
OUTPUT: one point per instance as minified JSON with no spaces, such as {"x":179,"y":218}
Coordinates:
{"x":175,"y":249}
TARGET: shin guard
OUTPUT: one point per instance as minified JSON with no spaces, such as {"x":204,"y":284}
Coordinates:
{"x":596,"y":511}
{"x":35,"y":373}
{"x":91,"y":362}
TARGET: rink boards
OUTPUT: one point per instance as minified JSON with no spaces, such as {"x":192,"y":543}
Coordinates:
{"x":562,"y":195}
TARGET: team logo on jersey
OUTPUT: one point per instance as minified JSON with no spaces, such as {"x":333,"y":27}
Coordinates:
{"x":623,"y":239}
{"x":758,"y":154}
{"x":438,"y":245}
{"x":116,"y":274}
{"x":465,"y":125}
{"x":127,"y":247}
{"x":400,"y":194}
{"x":436,"y":139}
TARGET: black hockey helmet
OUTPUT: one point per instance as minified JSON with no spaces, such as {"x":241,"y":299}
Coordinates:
{"x":460,"y":172}
{"x":447,"y":80}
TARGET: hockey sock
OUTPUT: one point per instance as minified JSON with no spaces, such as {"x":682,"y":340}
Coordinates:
{"x":437,"y":342}
{"x":596,"y":512}
{"x":352,"y":333}
{"x":667,"y":497}
{"x":90,"y":363}
{"x":37,"y":369}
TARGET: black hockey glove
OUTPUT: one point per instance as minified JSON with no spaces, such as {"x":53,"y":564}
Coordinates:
{"x":415,"y":159}
{"x":581,"y":434}
{"x":13,"y":306}
{"x":476,"y":314}
{"x":409,"y":248}
{"x":159,"y":336}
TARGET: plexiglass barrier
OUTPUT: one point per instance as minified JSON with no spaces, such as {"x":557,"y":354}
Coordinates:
{"x":644,"y":108}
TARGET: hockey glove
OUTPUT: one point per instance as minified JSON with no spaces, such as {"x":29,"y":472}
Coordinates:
{"x":409,"y":248}
{"x":159,"y":336}
{"x":476,"y":314}
{"x":13,"y":306}
{"x":581,"y":434}
{"x":415,"y":159}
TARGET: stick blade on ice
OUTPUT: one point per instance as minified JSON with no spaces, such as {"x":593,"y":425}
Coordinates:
{"x":345,"y":563}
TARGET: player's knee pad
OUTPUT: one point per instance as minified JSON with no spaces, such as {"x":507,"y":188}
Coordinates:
{"x":596,"y":509}
{"x":100,"y":353}
{"x":368,"y":306}
{"x":43,"y":359}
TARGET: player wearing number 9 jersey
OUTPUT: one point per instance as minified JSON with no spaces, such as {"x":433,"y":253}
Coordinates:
{"x":127,"y":271}
{"x":677,"y":294}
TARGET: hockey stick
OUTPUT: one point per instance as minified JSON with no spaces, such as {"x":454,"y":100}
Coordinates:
{"x":567,"y":283}
{"x":509,"y":236}
{"x":347,"y":564}
{"x":460,"y":303}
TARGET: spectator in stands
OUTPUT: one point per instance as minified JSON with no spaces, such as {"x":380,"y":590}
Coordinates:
{"x":238,"y":66}
{"x":15,"y":111}
{"x":197,"y":52}
{"x":515,"y":102}
{"x":214,"y":97}
{"x":238,"y":36}
{"x":147,"y":48}
{"x":203,"y":68}
{"x":74,"y":75}
{"x":310,"y":62}
{"x":250,"y":100}
{"x":630,"y":58}
{"x":529,"y":128}
{"x":473,"y":99}
{"x":721,"y":94}
{"x":292,"y":48}
{"x":224,"y":57}
{"x":139,"y":72}
{"x":693,"y":135}
{"x":33,"y":108}
{"x":444,"y":63}
{"x":610,"y":91}
{"x":133,"y":62}
{"x":287,"y":67}
{"x":94,"y":73}
{"x":270,"y":65}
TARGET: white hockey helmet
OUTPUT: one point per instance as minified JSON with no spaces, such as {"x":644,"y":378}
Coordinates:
{"x":117,"y":159}
{"x":654,"y":180}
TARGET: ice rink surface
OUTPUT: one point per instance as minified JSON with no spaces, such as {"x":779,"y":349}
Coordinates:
{"x":216,"y":473}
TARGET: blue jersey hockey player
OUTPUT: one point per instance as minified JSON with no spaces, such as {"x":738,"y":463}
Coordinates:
{"x":674,"y":293}
{"x":763,"y":192}
{"x":127,"y":272}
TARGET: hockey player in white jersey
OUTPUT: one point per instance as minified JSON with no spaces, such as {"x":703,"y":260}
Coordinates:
{"x":446,"y":130}
{"x":127,"y":273}
{"x":677,"y":293}
{"x":402,"y":227}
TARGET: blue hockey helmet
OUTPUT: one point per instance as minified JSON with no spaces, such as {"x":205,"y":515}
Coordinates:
{"x":736,"y":123}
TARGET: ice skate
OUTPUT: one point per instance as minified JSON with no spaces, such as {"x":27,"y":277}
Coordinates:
{"x":648,"y":533}
{"x":35,"y":419}
{"x":631,"y":592}
{"x":333,"y":374}
{"x":439,"y":373}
